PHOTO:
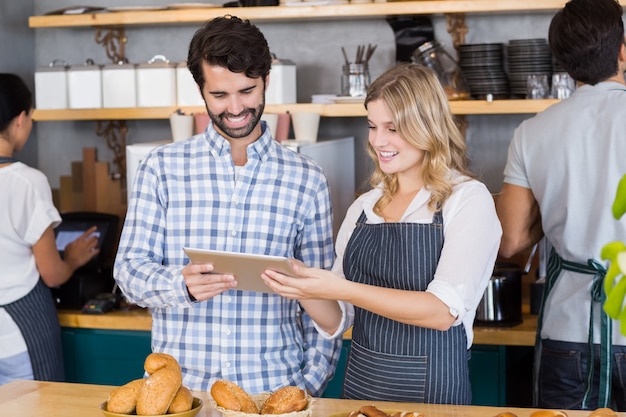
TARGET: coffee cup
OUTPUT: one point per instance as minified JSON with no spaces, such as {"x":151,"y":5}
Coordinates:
{"x":305,"y":126}
{"x":272,"y":122}
{"x":182,"y":126}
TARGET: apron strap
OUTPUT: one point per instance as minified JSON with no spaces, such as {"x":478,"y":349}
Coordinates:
{"x":556,"y":264}
{"x":7,"y":159}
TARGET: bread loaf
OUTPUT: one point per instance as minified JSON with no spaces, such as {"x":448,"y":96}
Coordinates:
{"x":232,"y":397}
{"x":285,"y":400}
{"x":161,"y":387}
{"x":183,"y":400}
{"x":123,"y":400}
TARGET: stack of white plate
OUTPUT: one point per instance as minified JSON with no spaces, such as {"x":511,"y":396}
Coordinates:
{"x":527,"y":57}
{"x":483,"y":67}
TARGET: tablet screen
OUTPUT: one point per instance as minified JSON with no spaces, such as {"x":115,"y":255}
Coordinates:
{"x":246,"y":268}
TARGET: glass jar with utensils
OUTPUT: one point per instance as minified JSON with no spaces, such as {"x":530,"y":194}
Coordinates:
{"x":355,"y":76}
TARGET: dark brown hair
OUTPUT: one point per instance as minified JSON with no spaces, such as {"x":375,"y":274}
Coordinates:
{"x":15,"y":97}
{"x":231,"y":43}
{"x":586,"y":37}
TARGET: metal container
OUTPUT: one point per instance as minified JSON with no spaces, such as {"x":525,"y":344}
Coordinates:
{"x":282,"y":87}
{"x":156,"y":83}
{"x":119,"y":85}
{"x":51,"y":86}
{"x":85,"y":86}
{"x":501,"y":304}
{"x":187,"y":93}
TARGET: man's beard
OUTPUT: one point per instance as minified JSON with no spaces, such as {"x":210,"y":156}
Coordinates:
{"x":240,"y":132}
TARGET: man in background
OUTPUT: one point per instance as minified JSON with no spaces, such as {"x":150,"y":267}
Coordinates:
{"x":560,"y":180}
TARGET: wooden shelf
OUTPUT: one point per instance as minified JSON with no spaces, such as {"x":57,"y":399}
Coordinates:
{"x":467,"y":107}
{"x":286,"y":13}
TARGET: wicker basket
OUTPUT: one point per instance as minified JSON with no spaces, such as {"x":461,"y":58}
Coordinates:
{"x":259,"y":399}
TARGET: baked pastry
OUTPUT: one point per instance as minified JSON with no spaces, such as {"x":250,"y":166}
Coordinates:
{"x":548,"y":413}
{"x":407,"y":414}
{"x":373,"y":411}
{"x":603,"y":412}
{"x":123,"y":400}
{"x":161,"y":387}
{"x":183,"y":400}
{"x":231,"y":396}
{"x":285,"y":400}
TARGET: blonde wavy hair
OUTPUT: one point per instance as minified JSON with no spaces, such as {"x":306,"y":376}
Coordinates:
{"x":421,"y":115}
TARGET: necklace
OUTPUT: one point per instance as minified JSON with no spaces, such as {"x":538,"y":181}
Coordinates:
{"x":7,"y":160}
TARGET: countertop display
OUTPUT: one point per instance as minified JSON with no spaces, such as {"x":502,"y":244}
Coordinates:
{"x":55,"y":399}
{"x":140,"y":320}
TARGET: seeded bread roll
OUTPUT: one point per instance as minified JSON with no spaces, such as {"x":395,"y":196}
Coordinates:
{"x":285,"y":400}
{"x":232,"y":397}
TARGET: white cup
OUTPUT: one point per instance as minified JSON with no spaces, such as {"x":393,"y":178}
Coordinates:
{"x":305,"y":126}
{"x":182,"y":126}
{"x":272,"y":122}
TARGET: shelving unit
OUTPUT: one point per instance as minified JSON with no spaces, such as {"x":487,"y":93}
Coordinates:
{"x":291,"y":13}
{"x":110,"y":32}
{"x":115,"y":20}
{"x":466,"y":107}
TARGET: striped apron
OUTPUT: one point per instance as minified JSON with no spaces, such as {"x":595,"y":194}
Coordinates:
{"x":36,"y":316}
{"x":392,"y":361}
{"x":556,"y":265}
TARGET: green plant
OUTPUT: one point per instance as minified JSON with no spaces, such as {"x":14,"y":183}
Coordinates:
{"x":615,"y":253}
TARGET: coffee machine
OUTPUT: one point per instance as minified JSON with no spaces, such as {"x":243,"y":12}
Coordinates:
{"x":96,"y":276}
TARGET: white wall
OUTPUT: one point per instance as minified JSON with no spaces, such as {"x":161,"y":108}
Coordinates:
{"x":315,"y":47}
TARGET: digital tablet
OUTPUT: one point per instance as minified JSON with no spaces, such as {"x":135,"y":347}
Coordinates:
{"x":246,"y":268}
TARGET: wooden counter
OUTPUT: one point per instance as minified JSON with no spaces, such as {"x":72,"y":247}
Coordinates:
{"x":54,"y":399}
{"x":140,"y":320}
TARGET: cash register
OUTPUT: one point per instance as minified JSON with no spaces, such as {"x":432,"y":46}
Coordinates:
{"x":95,"y":278}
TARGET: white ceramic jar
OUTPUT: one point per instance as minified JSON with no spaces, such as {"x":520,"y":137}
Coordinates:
{"x":85,"y":86}
{"x":282,"y":87}
{"x":119,"y":85}
{"x":156,"y":83}
{"x":51,"y":86}
{"x":187,"y":93}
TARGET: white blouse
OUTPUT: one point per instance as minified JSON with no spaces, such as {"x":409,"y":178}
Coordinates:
{"x":472,"y":234}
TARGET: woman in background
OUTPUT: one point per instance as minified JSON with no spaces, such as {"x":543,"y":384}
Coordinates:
{"x":30,"y":335}
{"x":417,"y":251}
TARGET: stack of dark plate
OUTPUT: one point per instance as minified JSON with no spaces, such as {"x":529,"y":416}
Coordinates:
{"x":526,"y":57}
{"x":483,"y":67}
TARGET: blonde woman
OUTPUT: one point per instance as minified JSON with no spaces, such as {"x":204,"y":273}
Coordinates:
{"x":416,"y":252}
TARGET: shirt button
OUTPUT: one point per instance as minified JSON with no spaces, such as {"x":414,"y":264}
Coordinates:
{"x":227,"y":299}
{"x":233,"y":233}
{"x":235,"y":201}
{"x":227,"y":364}
{"x":227,"y":332}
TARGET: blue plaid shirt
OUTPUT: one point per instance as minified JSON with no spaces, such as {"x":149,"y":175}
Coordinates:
{"x":188,"y":194}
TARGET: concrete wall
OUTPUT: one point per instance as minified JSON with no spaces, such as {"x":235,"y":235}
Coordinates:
{"x":314,"y":46}
{"x":17,"y":45}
